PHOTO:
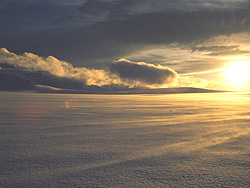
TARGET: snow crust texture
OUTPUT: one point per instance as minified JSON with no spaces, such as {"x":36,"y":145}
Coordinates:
{"x":181,"y":140}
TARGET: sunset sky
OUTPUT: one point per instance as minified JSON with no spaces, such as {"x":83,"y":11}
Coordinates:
{"x":161,"y":43}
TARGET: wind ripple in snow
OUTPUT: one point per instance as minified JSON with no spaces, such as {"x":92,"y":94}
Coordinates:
{"x":124,"y":141}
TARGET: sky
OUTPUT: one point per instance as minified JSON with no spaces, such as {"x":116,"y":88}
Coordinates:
{"x":130,"y":43}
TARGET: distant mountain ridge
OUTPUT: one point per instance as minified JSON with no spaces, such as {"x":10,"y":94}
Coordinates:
{"x":171,"y":90}
{"x":15,"y":82}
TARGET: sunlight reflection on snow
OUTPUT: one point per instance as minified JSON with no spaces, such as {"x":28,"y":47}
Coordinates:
{"x":72,"y":103}
{"x":29,"y":113}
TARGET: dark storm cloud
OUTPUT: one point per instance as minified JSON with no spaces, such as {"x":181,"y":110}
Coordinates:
{"x":143,"y":72}
{"x":122,"y":9}
{"x":31,"y":14}
{"x":177,"y":26}
{"x":96,"y":31}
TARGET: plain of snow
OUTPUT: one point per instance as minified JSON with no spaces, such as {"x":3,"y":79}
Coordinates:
{"x":70,"y":140}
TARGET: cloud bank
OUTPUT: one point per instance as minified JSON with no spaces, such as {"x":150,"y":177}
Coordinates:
{"x":51,"y":71}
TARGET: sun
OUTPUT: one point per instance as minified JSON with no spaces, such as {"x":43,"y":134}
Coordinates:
{"x":238,"y":74}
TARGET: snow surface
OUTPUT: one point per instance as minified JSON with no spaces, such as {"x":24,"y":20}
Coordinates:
{"x":180,"y":140}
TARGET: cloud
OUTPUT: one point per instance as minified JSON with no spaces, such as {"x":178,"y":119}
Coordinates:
{"x":120,"y":75}
{"x":54,"y":72}
{"x":95,"y":32}
{"x":221,"y":50}
{"x":145,"y":73}
{"x":93,"y":11}
{"x":231,"y":45}
{"x":189,"y":81}
{"x":91,"y":33}
{"x":33,"y":62}
{"x":182,"y":59}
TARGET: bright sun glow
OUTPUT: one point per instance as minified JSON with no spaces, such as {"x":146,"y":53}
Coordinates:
{"x":238,"y":73}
